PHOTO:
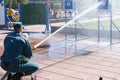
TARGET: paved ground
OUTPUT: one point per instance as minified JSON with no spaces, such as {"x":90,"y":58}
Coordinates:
{"x":71,"y":60}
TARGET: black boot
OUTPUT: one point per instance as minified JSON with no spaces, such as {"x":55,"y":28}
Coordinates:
{"x":18,"y":76}
{"x":9,"y":76}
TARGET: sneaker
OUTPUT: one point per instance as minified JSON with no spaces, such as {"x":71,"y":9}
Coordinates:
{"x":17,"y":76}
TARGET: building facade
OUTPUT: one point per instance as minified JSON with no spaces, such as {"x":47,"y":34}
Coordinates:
{"x":2,"y":13}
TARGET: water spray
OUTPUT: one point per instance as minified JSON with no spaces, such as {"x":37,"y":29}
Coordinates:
{"x":69,"y":22}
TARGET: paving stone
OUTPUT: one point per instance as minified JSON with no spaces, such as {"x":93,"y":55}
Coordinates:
{"x":63,"y":59}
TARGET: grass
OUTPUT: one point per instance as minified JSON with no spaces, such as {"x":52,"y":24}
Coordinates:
{"x":104,"y":24}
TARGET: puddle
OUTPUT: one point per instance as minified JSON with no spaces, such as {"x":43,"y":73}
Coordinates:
{"x":82,"y":52}
{"x":57,"y":49}
{"x":45,"y":50}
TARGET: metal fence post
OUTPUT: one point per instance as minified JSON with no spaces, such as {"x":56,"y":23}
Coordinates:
{"x":20,"y":12}
{"x":111,"y":23}
{"x":47,"y":18}
{"x":6,"y":18}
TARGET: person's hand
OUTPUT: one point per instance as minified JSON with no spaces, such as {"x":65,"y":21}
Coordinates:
{"x":33,"y":48}
{"x":25,"y":58}
{"x":25,"y":35}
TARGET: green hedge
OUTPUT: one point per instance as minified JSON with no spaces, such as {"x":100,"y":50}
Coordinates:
{"x":33,"y":13}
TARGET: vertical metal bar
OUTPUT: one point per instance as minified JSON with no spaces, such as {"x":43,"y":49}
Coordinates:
{"x":47,"y":18}
{"x":75,"y":22}
{"x":20,"y":12}
{"x":65,"y":27}
{"x":110,"y":23}
{"x":65,"y":23}
{"x":99,"y":26}
{"x":6,"y":18}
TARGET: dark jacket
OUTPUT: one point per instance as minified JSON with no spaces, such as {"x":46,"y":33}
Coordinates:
{"x":15,"y":46}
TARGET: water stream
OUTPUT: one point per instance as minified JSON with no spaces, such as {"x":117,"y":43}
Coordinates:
{"x":68,"y":23}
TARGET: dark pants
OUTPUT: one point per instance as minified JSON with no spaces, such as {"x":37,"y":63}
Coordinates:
{"x":10,"y":18}
{"x":27,"y":67}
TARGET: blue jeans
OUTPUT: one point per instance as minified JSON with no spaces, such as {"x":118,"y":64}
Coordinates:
{"x":10,"y":18}
{"x":27,"y":67}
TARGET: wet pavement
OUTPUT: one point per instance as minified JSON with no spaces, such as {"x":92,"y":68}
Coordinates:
{"x":61,"y":59}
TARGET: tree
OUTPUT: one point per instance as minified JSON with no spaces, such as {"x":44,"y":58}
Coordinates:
{"x":14,"y":3}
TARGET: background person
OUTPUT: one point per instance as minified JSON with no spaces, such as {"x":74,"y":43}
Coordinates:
{"x":15,"y":16}
{"x":10,"y":13}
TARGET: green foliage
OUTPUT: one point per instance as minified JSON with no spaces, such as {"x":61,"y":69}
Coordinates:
{"x":33,"y":13}
{"x":104,"y":24}
{"x":7,"y":2}
{"x":14,"y":3}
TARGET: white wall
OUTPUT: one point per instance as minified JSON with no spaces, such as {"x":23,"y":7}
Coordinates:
{"x":2,"y":15}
